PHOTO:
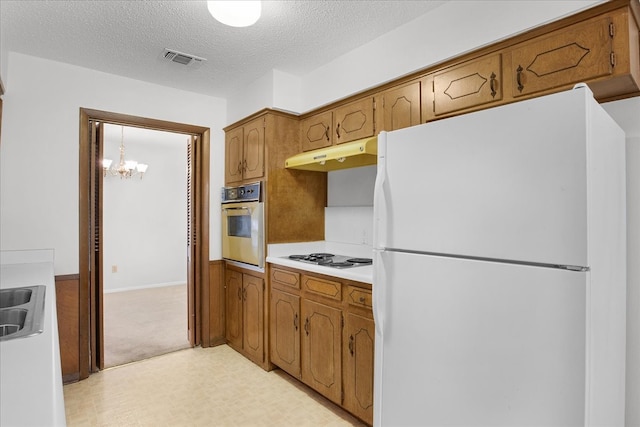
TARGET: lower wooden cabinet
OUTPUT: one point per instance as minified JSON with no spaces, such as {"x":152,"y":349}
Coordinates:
{"x":284,"y":331}
{"x":322,"y":349}
{"x":322,"y":332}
{"x":245,"y":314}
{"x":359,"y":333}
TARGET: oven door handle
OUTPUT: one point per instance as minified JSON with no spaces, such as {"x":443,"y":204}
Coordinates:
{"x":241,"y":208}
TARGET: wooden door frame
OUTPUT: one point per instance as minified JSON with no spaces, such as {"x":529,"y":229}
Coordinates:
{"x":89,"y":307}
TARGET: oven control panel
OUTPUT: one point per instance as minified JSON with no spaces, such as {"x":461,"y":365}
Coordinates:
{"x":248,"y":192}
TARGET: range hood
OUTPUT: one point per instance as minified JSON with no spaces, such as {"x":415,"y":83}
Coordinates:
{"x":363,"y":152}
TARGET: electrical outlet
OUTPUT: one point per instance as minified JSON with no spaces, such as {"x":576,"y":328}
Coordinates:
{"x":114,"y":268}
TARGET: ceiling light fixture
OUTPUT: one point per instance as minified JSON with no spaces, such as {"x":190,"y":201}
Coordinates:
{"x":239,"y":13}
{"x":124,"y":168}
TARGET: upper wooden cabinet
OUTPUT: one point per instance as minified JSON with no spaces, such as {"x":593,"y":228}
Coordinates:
{"x":354,"y":121}
{"x":603,"y":51}
{"x":256,"y":150}
{"x":581,"y":52}
{"x":233,"y":155}
{"x":349,"y":122}
{"x":315,"y":131}
{"x":245,"y":152}
{"x":399,"y":107}
{"x":469,"y":84}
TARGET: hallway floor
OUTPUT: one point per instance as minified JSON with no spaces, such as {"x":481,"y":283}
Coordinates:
{"x":197,"y":387}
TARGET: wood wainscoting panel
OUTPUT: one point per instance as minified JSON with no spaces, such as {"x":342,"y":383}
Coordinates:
{"x":216,"y":304}
{"x":68,"y":312}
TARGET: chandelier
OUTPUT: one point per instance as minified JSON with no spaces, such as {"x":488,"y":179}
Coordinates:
{"x":124,"y":168}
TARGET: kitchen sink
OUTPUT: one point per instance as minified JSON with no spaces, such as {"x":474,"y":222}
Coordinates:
{"x":21,"y":312}
{"x":15,"y":296}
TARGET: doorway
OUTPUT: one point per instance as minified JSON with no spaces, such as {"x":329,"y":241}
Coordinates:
{"x":144,"y":234}
{"x":91,"y":244}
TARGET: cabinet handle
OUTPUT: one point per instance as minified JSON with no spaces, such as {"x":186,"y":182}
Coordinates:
{"x":239,"y":293}
{"x":240,"y":167}
{"x":244,"y":294}
{"x":361,"y":299}
{"x":351,"y":344}
{"x":306,"y":326}
{"x":326,"y":132}
{"x":338,"y":130}
{"x":295,"y":322}
{"x":519,"y":78}
{"x":244,"y":166}
{"x":492,"y":85}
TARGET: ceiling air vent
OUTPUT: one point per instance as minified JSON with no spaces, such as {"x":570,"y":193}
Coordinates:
{"x":182,"y":58}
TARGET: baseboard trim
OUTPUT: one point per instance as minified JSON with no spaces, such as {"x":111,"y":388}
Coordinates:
{"x":137,"y":288}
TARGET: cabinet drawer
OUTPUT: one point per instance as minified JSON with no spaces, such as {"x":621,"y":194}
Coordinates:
{"x":284,"y":279}
{"x":325,"y":288}
{"x":577,"y":53}
{"x":359,"y":297}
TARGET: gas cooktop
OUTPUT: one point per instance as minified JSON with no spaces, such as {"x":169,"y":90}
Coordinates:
{"x":331,"y":260}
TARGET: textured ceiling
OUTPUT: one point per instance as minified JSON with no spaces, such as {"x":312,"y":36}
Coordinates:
{"x":127,"y":38}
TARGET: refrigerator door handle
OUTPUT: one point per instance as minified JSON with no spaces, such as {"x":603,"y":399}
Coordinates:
{"x":379,"y":292}
{"x":380,"y":190}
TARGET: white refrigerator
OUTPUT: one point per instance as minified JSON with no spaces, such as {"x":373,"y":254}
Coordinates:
{"x":499,"y":268}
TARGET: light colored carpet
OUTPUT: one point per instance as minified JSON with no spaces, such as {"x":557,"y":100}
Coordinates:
{"x":143,"y":323}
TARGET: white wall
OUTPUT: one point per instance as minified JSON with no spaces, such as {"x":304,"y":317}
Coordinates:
{"x":145,"y":220}
{"x":275,"y":89}
{"x":39,"y":150}
{"x":627,"y":113}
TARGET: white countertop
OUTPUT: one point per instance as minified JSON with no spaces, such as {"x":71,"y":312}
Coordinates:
{"x":279,"y":253}
{"x":30,"y":374}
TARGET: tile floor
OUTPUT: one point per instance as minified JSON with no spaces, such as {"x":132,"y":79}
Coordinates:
{"x":198,"y":387}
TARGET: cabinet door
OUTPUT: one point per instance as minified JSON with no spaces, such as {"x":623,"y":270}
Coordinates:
{"x":315,"y":131}
{"x":321,"y":349}
{"x":401,"y":107}
{"x":468,"y":85}
{"x":354,"y":121}
{"x":252,"y":317}
{"x":285,"y":331}
{"x":358,"y":367}
{"x":574,"y":54}
{"x":253,"y":162}
{"x":233,"y":155}
{"x":233,"y":285}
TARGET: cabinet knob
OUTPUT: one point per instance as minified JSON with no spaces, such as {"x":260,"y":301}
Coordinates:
{"x":361,"y":299}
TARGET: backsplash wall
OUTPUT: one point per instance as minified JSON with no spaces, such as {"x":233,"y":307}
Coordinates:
{"x":349,"y":211}
{"x":351,"y":187}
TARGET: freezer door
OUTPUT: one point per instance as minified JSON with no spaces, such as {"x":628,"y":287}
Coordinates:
{"x":504,"y":183}
{"x":468,"y":343}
